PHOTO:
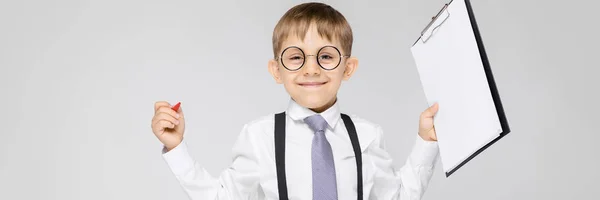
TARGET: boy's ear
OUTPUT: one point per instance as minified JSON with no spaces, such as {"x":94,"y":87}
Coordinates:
{"x":351,"y":66}
{"x":274,"y":70}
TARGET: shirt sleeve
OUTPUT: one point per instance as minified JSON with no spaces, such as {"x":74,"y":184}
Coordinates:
{"x":408,"y":182}
{"x":238,"y":181}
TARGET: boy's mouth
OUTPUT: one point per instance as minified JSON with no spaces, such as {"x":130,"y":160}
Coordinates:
{"x":312,"y":84}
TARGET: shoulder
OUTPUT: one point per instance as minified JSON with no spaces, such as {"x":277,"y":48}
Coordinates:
{"x":257,"y":132}
{"x":261,"y":123}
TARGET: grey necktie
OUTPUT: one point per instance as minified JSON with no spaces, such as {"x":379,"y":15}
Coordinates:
{"x":323,"y":168}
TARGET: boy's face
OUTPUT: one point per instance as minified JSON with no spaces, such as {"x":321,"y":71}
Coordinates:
{"x":312,"y":86}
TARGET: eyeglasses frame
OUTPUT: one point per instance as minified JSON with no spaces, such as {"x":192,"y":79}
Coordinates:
{"x":280,"y":58}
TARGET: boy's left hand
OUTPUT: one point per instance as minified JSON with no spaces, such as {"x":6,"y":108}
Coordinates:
{"x":426,"y":129}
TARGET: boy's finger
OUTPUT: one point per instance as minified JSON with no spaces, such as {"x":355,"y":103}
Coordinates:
{"x":160,"y":125}
{"x":430,"y":112}
{"x":165,"y":116}
{"x":163,"y":124}
{"x":169,"y":111}
{"x":435,"y":108}
{"x":160,"y":104}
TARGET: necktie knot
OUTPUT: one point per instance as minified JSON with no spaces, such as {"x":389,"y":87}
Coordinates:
{"x":316,"y":123}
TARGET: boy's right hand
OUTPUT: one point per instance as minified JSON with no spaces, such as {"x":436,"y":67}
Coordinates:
{"x":168,"y":125}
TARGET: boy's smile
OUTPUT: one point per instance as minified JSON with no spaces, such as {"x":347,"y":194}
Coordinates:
{"x":311,"y":85}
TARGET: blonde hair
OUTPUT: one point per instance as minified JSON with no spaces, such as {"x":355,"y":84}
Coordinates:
{"x":330,"y":24}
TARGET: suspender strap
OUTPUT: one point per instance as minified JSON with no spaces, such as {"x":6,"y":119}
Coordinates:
{"x":280,"y":154}
{"x":357,"y":153}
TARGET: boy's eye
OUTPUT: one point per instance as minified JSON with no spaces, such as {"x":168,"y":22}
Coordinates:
{"x":296,"y":58}
{"x":325,"y":57}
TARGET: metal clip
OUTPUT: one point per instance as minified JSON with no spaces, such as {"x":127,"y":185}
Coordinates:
{"x":433,"y":19}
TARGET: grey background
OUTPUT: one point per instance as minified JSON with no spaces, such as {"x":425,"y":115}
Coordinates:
{"x":78,"y":81}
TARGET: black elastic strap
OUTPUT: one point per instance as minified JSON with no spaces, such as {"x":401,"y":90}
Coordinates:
{"x":280,"y":154}
{"x":357,"y":153}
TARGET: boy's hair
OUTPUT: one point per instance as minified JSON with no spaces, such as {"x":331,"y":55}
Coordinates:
{"x":330,"y":24}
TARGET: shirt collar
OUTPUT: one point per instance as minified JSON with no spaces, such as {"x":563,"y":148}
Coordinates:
{"x":298,"y":112}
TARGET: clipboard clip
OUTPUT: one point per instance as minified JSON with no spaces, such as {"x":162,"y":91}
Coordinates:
{"x":433,"y":19}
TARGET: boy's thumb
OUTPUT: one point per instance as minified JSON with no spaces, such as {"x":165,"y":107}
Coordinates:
{"x":434,"y":108}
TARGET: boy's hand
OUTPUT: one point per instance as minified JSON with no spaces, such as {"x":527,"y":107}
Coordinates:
{"x":426,"y":129}
{"x":168,"y":125}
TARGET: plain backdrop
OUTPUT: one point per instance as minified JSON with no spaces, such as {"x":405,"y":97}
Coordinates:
{"x":78,"y":81}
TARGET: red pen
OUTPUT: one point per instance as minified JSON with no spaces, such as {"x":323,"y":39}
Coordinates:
{"x":176,"y":107}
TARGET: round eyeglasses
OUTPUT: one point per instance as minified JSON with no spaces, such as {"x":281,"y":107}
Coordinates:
{"x":328,"y":57}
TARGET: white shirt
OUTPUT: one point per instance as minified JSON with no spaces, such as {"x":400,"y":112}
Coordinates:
{"x":252,"y":175}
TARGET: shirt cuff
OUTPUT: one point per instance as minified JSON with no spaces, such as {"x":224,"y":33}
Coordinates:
{"x":424,"y":153}
{"x":179,"y":159}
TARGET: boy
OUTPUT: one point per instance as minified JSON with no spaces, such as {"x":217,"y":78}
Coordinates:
{"x":325,"y":154}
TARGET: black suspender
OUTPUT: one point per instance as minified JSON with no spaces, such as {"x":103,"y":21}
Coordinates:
{"x":280,"y":154}
{"x":357,"y":153}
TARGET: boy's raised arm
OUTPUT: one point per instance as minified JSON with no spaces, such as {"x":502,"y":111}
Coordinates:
{"x":239,"y":181}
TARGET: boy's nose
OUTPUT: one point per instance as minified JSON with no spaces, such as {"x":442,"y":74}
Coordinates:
{"x":311,"y":67}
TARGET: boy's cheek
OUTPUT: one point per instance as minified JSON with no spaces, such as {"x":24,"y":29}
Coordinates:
{"x":335,"y":85}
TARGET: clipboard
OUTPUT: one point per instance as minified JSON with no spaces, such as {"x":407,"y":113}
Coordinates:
{"x":455,"y":72}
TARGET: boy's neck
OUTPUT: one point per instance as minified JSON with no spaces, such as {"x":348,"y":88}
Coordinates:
{"x":324,"y":107}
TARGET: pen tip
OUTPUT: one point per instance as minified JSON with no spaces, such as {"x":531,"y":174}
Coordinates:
{"x":176,"y":107}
